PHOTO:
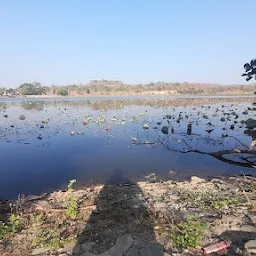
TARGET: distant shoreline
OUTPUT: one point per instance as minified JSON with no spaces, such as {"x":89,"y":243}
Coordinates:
{"x":249,"y":95}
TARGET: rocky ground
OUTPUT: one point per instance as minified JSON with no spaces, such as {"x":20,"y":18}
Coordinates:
{"x":135,"y":219}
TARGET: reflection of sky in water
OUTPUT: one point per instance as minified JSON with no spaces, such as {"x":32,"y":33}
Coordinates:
{"x":35,"y":159}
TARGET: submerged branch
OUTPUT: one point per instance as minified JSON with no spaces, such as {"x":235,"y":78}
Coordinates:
{"x":220,"y":155}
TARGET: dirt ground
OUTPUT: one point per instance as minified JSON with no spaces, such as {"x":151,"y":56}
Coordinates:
{"x":143,"y":216}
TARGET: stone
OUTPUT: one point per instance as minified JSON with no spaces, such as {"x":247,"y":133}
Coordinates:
{"x":252,"y":218}
{"x":238,"y":251}
{"x":88,"y":254}
{"x":248,"y":228}
{"x":152,"y":249}
{"x":39,"y":251}
{"x":196,"y":179}
{"x":250,"y":246}
{"x":69,"y":247}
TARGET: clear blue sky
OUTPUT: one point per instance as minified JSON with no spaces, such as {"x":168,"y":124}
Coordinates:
{"x":136,"y":41}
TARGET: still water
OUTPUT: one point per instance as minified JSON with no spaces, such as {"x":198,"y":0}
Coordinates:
{"x":120,"y":134}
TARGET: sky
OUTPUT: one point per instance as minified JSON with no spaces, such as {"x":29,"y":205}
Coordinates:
{"x":137,"y":41}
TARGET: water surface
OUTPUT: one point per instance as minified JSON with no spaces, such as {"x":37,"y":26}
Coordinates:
{"x":39,"y":157}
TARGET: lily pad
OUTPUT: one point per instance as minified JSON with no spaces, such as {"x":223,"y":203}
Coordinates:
{"x":22,"y":117}
{"x":165,"y":129}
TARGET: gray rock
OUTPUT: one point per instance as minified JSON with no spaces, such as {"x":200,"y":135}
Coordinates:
{"x":69,"y":247}
{"x":196,"y":179}
{"x":248,"y":228}
{"x":39,"y":251}
{"x":250,"y":123}
{"x":252,"y":218}
{"x":250,"y":246}
{"x":152,"y":249}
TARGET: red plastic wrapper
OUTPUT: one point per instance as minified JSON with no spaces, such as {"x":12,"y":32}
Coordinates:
{"x":216,"y":247}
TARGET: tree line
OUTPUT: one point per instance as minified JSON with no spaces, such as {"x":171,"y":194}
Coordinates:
{"x":118,"y":87}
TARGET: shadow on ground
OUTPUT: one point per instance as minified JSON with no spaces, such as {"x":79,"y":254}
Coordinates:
{"x":238,"y":240}
{"x":121,"y":223}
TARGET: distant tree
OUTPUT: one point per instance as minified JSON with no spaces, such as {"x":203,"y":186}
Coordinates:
{"x":250,"y":70}
{"x":31,"y":89}
{"x":10,"y":91}
{"x":62,"y":92}
{"x":2,"y":91}
{"x":88,"y":91}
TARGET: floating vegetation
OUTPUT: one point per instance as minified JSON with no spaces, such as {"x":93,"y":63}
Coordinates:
{"x":165,"y":129}
{"x":22,"y":117}
{"x":101,"y":120}
{"x":145,"y":126}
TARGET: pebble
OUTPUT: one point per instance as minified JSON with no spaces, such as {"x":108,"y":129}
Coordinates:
{"x":250,"y":246}
{"x":39,"y":251}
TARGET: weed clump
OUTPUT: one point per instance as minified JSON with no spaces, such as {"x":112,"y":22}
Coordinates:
{"x":188,"y":233}
{"x":71,"y":201}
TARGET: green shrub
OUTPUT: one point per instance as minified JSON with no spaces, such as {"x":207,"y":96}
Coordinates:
{"x":50,"y":239}
{"x":71,"y":201}
{"x":188,"y":233}
{"x":210,"y":200}
{"x":62,"y":92}
{"x":4,"y":230}
{"x":14,"y":225}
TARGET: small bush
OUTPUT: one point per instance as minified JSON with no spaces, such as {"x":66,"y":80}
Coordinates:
{"x":188,"y":234}
{"x":38,"y":219}
{"x":62,"y":92}
{"x":4,"y":230}
{"x":14,"y":225}
{"x":50,"y":239}
{"x":71,"y":201}
{"x":209,"y":200}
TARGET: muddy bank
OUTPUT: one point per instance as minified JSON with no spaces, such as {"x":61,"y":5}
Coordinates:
{"x":132,"y":219}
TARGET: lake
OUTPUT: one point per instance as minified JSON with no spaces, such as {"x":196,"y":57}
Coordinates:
{"x":44,"y":142}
